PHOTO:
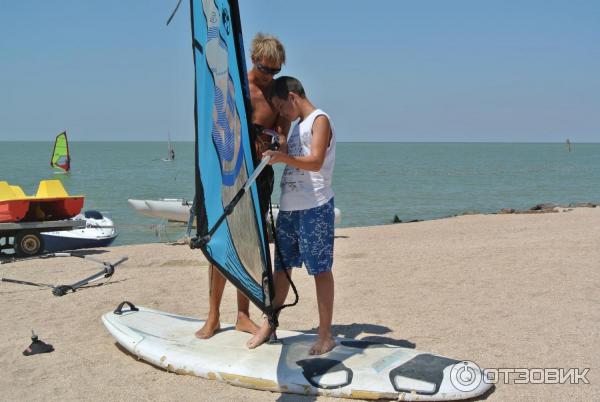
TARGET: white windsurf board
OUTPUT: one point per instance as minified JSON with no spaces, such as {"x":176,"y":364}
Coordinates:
{"x":353,"y":369}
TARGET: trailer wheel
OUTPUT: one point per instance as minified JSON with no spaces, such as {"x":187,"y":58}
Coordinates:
{"x":28,"y":243}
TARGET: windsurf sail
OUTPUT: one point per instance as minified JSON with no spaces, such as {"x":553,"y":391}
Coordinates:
{"x":238,"y":248}
{"x":170,"y":150}
{"x":61,"y":159}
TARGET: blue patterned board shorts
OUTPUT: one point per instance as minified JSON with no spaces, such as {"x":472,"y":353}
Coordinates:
{"x":306,"y":236}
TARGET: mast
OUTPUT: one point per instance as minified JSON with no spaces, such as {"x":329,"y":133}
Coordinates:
{"x":238,"y":245}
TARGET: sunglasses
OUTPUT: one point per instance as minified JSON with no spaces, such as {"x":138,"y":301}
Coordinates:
{"x":267,"y":70}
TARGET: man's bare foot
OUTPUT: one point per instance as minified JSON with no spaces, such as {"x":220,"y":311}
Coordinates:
{"x":322,"y":346}
{"x":209,"y":328}
{"x":245,"y":324}
{"x":261,"y":336}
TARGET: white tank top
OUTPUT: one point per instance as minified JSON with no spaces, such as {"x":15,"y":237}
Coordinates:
{"x":302,"y":189}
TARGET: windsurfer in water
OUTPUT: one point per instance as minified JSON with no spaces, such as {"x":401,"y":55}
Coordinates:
{"x":306,"y":213}
{"x":268,"y":55}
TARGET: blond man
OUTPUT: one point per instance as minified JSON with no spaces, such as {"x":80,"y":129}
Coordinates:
{"x":268,"y":55}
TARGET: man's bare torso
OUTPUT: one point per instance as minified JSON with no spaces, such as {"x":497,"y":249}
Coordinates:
{"x":265,"y":114}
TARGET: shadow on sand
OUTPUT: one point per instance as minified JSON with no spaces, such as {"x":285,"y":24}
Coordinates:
{"x":87,"y":251}
{"x":6,"y":258}
{"x":373,"y":333}
{"x":296,"y":398}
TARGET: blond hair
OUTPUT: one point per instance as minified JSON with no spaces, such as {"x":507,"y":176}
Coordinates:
{"x":269,"y":48}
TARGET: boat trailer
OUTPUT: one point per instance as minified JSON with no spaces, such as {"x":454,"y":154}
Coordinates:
{"x":26,"y":236}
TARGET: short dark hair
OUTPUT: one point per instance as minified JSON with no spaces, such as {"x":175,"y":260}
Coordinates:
{"x":282,"y":86}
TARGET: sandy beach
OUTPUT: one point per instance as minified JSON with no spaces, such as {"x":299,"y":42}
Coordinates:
{"x":505,"y":291}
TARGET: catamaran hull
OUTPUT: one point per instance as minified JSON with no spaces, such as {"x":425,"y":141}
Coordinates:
{"x":353,"y":369}
{"x":174,"y":210}
{"x":178,"y":210}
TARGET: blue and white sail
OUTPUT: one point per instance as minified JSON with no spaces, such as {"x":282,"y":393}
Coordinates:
{"x":225,"y":152}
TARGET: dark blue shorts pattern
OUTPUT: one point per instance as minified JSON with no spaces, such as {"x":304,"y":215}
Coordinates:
{"x":306,"y":236}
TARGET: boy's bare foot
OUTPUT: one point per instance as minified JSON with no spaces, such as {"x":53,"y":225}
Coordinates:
{"x":322,"y":346}
{"x":261,"y":336}
{"x":209,"y":328}
{"x":245,"y":324}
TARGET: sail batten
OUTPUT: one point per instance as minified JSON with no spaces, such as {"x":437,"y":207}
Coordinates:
{"x":224,"y":152}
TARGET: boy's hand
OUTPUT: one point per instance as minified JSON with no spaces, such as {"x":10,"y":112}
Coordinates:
{"x":276,"y":157}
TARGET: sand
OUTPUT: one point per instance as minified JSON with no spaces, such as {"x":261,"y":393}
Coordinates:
{"x":506,"y":291}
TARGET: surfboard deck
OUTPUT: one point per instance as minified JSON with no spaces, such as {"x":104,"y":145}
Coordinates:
{"x":353,"y":369}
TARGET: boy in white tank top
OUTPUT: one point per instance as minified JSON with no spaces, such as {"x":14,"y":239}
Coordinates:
{"x":306,"y":214}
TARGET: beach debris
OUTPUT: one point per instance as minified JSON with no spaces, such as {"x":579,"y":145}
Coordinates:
{"x":585,"y":205}
{"x":182,"y":241}
{"x":537,"y":211}
{"x":548,"y":207}
{"x":398,"y":220}
{"x":541,"y":207}
{"x":37,"y":346}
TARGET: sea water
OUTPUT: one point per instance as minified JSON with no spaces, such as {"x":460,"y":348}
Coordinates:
{"x":373,"y":182}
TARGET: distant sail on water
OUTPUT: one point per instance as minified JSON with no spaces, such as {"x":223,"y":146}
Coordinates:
{"x":568,"y":143}
{"x":170,"y":152}
{"x":224,"y":155}
{"x":61,"y":159}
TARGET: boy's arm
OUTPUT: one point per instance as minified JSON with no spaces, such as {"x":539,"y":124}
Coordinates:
{"x":321,"y":136}
{"x":282,"y":126}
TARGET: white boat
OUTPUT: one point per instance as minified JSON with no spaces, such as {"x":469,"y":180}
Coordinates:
{"x":178,"y":209}
{"x":99,"y":231}
{"x":172,"y":209}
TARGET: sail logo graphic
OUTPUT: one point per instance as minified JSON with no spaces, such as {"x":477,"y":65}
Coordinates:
{"x":226,"y":124}
{"x":226,"y":21}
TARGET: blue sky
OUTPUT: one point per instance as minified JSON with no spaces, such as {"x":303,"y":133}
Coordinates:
{"x":386,"y":71}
